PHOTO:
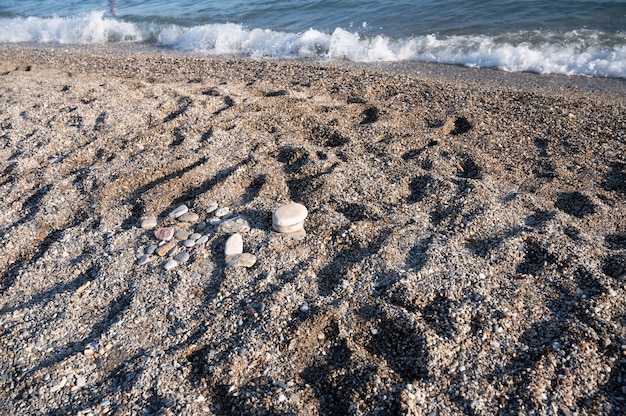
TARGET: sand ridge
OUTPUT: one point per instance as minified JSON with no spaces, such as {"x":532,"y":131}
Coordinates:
{"x":465,"y":248}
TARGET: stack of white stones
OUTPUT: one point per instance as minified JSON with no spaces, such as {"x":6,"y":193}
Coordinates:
{"x":234,"y":255}
{"x":289,"y":219}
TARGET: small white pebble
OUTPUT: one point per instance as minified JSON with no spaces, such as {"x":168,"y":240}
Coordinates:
{"x":170,"y":264}
{"x":234,"y":245}
{"x":182,"y":209}
{"x":222,"y":211}
{"x":211,"y":207}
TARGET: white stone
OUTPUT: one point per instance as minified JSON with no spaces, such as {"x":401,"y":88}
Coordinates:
{"x":234,"y":245}
{"x":289,"y":218}
{"x":241,"y":260}
{"x":170,"y":264}
{"x":297,"y":235}
{"x":59,"y":386}
{"x":222,"y":211}
{"x":179,"y":211}
{"x":234,"y":225}
{"x":189,"y":243}
{"x":148,"y":223}
{"x":181,"y":234}
{"x":211,"y":207}
{"x":189,"y":217}
{"x":202,"y":240}
{"x":288,"y":229}
{"x":80,"y":381}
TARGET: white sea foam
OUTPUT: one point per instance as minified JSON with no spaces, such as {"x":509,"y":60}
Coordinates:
{"x":576,"y":52}
{"x":584,"y":52}
{"x":82,"y":29}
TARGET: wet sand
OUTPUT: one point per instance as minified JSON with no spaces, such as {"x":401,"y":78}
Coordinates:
{"x":465,"y":249}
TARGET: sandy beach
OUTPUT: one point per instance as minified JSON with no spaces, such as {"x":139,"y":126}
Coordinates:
{"x":465,"y":248}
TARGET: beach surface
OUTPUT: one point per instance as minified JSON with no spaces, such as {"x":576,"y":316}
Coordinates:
{"x":465,"y":248}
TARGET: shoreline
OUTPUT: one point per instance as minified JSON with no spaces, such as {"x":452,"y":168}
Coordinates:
{"x":431,"y":70}
{"x":465,"y":248}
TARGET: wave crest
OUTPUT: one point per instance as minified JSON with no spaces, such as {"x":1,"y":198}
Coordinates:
{"x":82,"y":29}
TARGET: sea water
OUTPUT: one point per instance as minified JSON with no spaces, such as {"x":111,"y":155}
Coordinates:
{"x":545,"y":36}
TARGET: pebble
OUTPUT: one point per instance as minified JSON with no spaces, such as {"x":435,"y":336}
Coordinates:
{"x":143,"y":260}
{"x":235,"y":225}
{"x":189,"y":217}
{"x":164,"y":249}
{"x":164,"y":234}
{"x":221,"y":212}
{"x":201,"y":226}
{"x":182,"y":257}
{"x":59,"y":386}
{"x":215,"y":221}
{"x":151,"y":248}
{"x":241,"y":260}
{"x":80,"y":381}
{"x":289,"y":218}
{"x":202,"y":240}
{"x":182,"y":234}
{"x":148,"y":223}
{"x":195,"y":236}
{"x":177,"y":212}
{"x":170,"y":264}
{"x":297,"y":235}
{"x":211,"y":207}
{"x":304,"y":308}
{"x":234,"y":245}
{"x":189,"y":243}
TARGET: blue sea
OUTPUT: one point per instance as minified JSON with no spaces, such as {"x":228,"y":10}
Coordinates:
{"x":544,"y":36}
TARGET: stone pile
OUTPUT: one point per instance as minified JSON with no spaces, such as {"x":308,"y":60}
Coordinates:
{"x":289,"y":219}
{"x":173,"y":241}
